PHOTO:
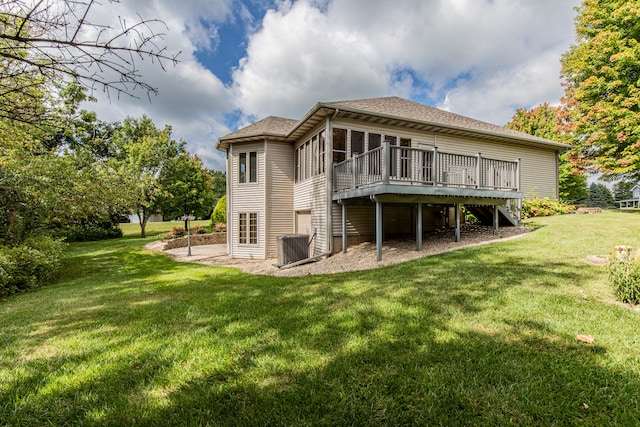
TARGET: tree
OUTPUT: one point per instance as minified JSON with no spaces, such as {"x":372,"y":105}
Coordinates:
{"x":623,"y":190}
{"x":602,"y":91}
{"x":551,"y":123}
{"x":43,"y":189}
{"x":219,"y":184}
{"x":143,"y":151}
{"x":600,"y":196}
{"x":44,"y":43}
{"x":186,"y":188}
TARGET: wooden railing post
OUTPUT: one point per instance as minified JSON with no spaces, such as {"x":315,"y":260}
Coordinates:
{"x":354,"y":173}
{"x":386,"y":157}
{"x":478,"y":163}
{"x":517,"y":177}
{"x":434,"y":167}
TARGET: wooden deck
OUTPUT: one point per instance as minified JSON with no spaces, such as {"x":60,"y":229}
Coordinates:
{"x":433,"y":175}
{"x":397,"y":174}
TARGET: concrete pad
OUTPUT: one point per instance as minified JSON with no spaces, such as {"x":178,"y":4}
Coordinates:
{"x":198,"y":252}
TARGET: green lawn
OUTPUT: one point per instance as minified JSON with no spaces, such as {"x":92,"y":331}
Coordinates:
{"x":480,"y":336}
{"x":155,"y":228}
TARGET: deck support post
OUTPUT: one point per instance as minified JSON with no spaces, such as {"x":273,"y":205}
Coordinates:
{"x":457,"y":217}
{"x":378,"y":231}
{"x":419,"y":228}
{"x":496,"y":220}
{"x":344,"y":228}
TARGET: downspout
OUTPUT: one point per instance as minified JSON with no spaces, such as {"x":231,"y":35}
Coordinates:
{"x":558,"y":175}
{"x":229,"y":203}
{"x":329,"y":171}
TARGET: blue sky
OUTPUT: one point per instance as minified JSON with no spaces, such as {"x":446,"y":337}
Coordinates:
{"x":243,"y":60}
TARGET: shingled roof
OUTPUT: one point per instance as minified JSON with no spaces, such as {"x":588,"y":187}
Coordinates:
{"x":271,"y":125}
{"x":388,"y":107}
{"x":394,"y":106}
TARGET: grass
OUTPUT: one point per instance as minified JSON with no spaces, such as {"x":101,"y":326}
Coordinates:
{"x":480,"y":336}
{"x":154,"y":228}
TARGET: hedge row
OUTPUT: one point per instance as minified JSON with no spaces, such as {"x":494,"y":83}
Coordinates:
{"x":544,"y":207}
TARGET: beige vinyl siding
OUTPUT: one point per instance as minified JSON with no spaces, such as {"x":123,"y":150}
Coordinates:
{"x":311,"y":195}
{"x":247,"y":197}
{"x":279,"y":193}
{"x":361,"y":220}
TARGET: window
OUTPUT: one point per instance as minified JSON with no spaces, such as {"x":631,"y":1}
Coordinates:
{"x":374,"y":140}
{"x":242,"y":228}
{"x":374,"y":162}
{"x":405,"y":158}
{"x":321,"y":142}
{"x":253,"y":167}
{"x":253,"y":228}
{"x":242,"y":172}
{"x":339,"y":145}
{"x":314,"y":156}
{"x":310,"y":157}
{"x":248,"y":228}
{"x":296,"y":164}
{"x":393,"y":154}
{"x":357,"y":142}
{"x":307,"y":159}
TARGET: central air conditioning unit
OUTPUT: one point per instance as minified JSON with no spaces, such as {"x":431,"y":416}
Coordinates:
{"x":292,"y":248}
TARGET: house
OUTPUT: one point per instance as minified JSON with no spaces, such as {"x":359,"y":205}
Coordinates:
{"x":363,"y":170}
{"x":634,"y":202}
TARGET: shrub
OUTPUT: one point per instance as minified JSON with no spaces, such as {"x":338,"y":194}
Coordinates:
{"x":220,"y":226}
{"x":29,"y":265}
{"x":535,"y":207}
{"x":624,"y":275}
{"x":175,"y":233}
{"x":198,"y":229}
{"x":88,"y":232}
{"x":219,"y":212}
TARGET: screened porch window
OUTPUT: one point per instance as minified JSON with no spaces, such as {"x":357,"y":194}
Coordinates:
{"x":339,"y":145}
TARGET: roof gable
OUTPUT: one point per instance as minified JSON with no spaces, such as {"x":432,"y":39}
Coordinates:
{"x":271,"y":125}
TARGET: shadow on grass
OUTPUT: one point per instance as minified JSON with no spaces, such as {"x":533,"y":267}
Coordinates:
{"x":434,"y":341}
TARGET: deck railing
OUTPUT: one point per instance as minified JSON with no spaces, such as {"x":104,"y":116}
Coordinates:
{"x":413,"y":166}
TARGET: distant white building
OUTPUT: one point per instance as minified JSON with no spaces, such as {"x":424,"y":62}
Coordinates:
{"x":632,"y":203}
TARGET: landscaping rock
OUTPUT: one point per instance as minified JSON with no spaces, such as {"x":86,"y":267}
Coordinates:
{"x":596,"y":260}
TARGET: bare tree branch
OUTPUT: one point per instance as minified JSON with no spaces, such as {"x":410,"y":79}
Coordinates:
{"x":55,"y":41}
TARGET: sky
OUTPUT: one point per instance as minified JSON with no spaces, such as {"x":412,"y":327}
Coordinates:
{"x":243,"y":60}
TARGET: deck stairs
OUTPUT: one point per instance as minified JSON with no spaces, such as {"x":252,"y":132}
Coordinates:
{"x":485,"y":215}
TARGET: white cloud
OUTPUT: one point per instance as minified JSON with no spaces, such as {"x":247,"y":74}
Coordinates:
{"x":298,"y":58}
{"x":362,"y":48}
{"x":495,"y":96}
{"x":481,"y":58}
{"x":191,"y":98}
